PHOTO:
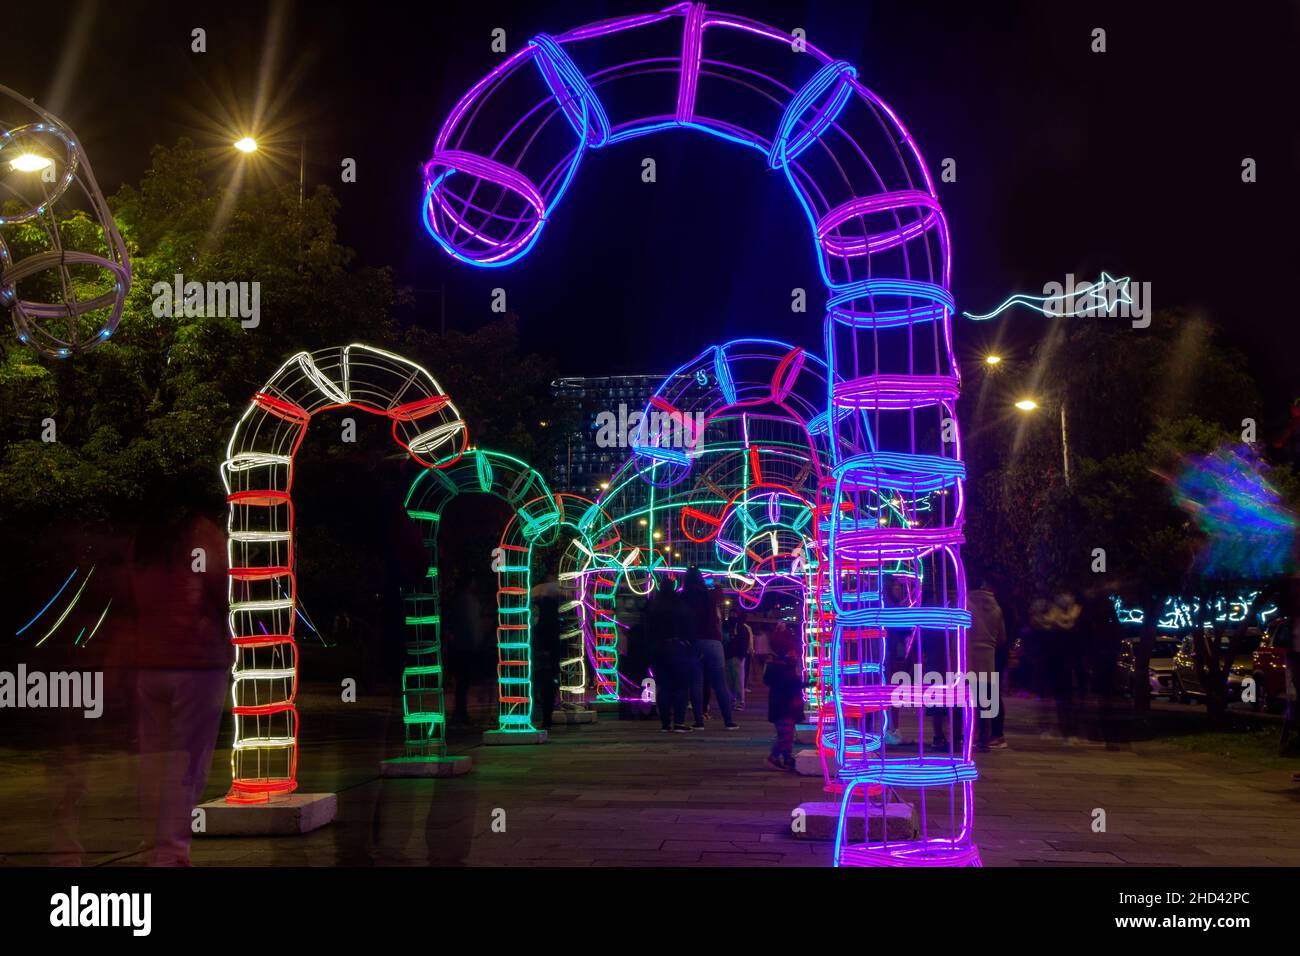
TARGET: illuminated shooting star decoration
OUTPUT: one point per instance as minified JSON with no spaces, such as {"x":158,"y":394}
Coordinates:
{"x":1102,"y":297}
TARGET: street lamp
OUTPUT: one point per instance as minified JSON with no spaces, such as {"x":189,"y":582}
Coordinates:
{"x":247,"y":145}
{"x":30,"y":163}
{"x":993,"y":360}
{"x":1028,"y":405}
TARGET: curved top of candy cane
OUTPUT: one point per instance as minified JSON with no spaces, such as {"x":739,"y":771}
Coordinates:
{"x":741,"y":373}
{"x":497,"y":174}
{"x":425,"y":421}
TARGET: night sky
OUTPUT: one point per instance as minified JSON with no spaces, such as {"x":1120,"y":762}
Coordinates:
{"x":1068,"y":161}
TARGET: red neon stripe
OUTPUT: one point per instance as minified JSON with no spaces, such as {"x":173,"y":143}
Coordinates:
{"x":413,"y":411}
{"x":282,"y":409}
{"x":257,"y":574}
{"x":262,"y":710}
{"x":787,"y":370}
{"x":693,"y":512}
{"x":269,"y":497}
{"x":262,"y":640}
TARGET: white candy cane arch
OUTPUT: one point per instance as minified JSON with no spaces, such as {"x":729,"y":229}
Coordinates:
{"x":891,"y":578}
{"x":258,"y":475}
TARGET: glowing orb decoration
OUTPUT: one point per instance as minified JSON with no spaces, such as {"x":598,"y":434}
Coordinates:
{"x":538,"y":519}
{"x":64,"y":275}
{"x":889,"y":579}
{"x":258,"y":476}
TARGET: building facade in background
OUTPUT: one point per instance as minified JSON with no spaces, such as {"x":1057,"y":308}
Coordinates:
{"x":606,"y":408}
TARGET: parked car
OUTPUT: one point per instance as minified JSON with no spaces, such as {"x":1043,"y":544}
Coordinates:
{"x":1187,"y":682}
{"x":1160,"y":668}
{"x":1268,"y":666}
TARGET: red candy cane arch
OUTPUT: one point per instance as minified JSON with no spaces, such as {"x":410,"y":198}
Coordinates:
{"x":890,"y":511}
{"x":258,"y":476}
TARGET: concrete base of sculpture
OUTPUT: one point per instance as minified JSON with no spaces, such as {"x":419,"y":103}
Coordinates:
{"x":513,"y":738}
{"x":573,"y":717}
{"x":808,"y":763}
{"x":286,"y":815}
{"x":450,"y":766}
{"x":894,"y":821}
{"x":607,"y":706}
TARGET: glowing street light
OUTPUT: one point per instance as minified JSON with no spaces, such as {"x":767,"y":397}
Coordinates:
{"x":30,"y":163}
{"x":993,"y":360}
{"x":1029,"y":405}
{"x":246,"y":145}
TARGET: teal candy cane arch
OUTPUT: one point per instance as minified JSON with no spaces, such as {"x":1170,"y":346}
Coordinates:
{"x":891,"y":589}
{"x":538,"y":518}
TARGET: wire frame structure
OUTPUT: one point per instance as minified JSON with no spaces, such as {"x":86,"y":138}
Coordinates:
{"x":258,"y":477}
{"x":538,"y":518}
{"x":890,"y":510}
{"x":729,"y":456}
{"x":64,"y":270}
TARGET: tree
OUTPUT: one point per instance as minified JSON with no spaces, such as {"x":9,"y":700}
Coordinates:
{"x":142,"y":421}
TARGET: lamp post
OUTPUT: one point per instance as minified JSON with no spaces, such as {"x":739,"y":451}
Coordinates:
{"x":1028,"y":405}
{"x":248,"y":145}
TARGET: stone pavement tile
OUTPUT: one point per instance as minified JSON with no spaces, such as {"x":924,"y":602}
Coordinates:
{"x":704,"y":846}
{"x":1072,"y":857}
{"x":743,"y":859}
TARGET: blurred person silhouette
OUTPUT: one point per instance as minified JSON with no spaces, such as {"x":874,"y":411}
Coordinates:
{"x":462,"y":640}
{"x":701,"y":617}
{"x":1057,"y":620}
{"x":182,"y":657}
{"x":670,"y":656}
{"x":739,"y":645}
{"x":546,"y":649}
{"x":985,"y":639}
{"x":784,"y":697}
{"x":81,"y":645}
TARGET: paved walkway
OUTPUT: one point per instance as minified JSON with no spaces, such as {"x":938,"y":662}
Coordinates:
{"x":621,"y":793}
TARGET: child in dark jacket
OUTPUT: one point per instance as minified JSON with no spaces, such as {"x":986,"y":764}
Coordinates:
{"x":785,"y":697}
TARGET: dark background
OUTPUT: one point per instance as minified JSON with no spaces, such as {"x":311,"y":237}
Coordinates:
{"x":1068,"y":161}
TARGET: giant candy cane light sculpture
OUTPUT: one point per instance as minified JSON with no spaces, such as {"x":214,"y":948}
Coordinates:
{"x":892,"y":580}
{"x":258,"y":475}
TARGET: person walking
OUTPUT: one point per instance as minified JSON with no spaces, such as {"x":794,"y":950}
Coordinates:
{"x":984,"y":641}
{"x":740,"y":643}
{"x":175,"y":611}
{"x":701,"y":616}
{"x":784,"y":698}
